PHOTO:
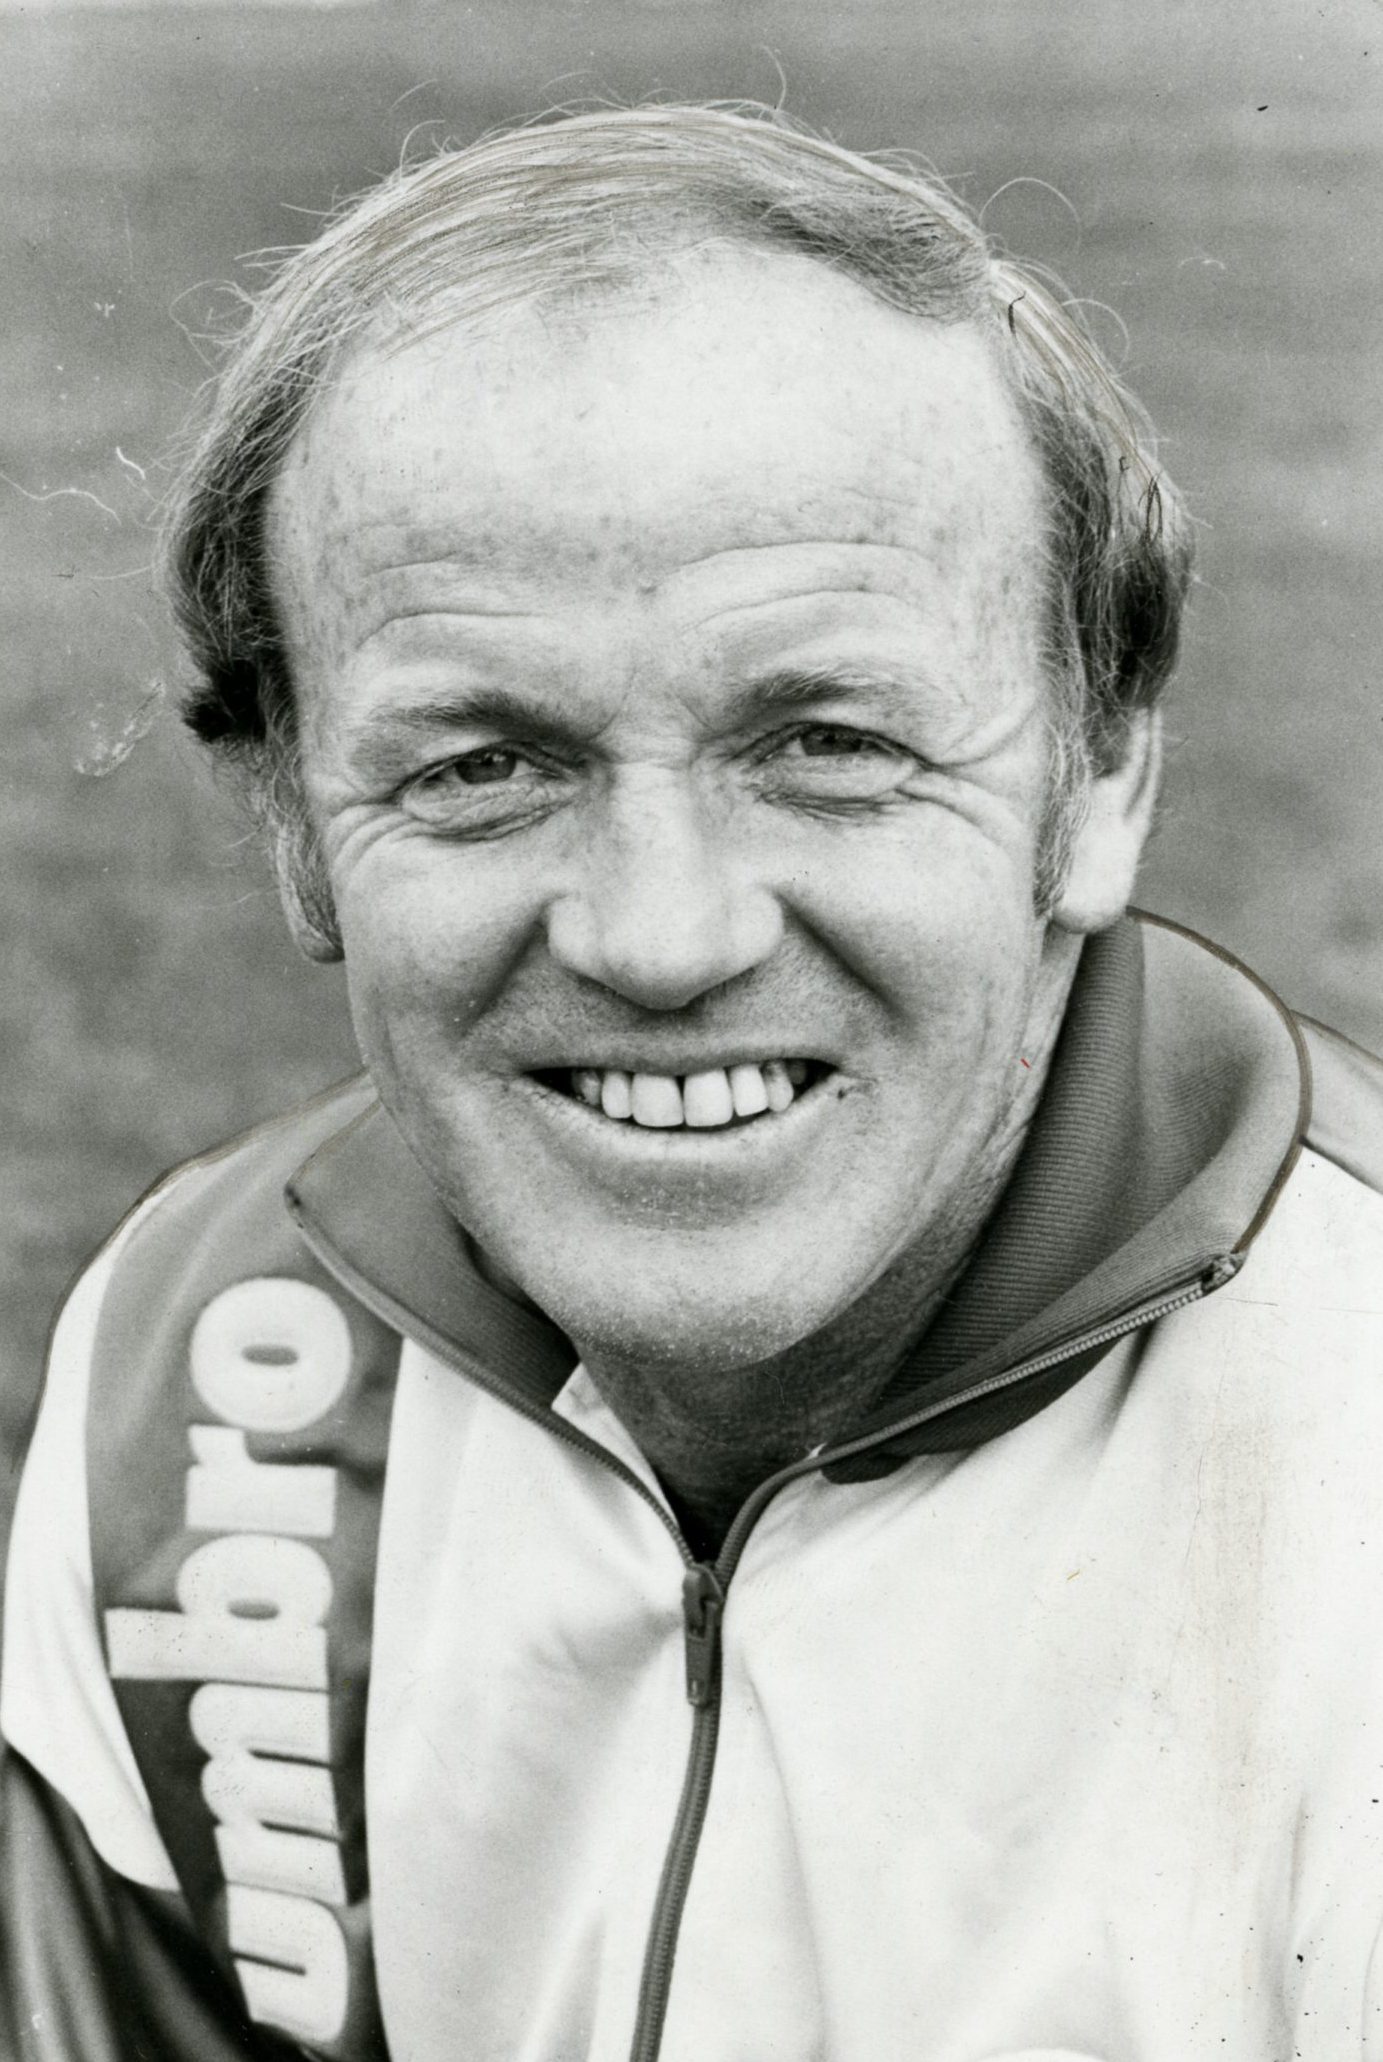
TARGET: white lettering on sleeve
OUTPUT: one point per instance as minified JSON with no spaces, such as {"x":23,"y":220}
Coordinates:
{"x":228,"y":1719}
{"x":228,"y":1490}
{"x":249,"y":1575}
{"x":285,"y":1584}
{"x":255,"y":1789}
{"x":168,"y":1646}
{"x":272,"y":1354}
{"x":269,"y":1355}
{"x":306,"y":1993}
{"x":293,"y":1863}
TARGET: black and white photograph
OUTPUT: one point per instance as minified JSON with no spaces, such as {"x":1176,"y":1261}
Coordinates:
{"x":691,"y":1363}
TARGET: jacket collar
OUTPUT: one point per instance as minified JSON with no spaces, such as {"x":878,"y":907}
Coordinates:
{"x":373,"y":1218}
{"x":1172,"y":1114}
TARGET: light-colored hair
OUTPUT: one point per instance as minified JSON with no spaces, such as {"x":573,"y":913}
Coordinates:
{"x":588,"y":203}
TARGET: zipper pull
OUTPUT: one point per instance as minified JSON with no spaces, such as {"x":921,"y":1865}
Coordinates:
{"x":703,"y":1602}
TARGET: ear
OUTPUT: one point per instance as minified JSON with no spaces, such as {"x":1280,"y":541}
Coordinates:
{"x":306,"y":900}
{"x":1109,"y":843}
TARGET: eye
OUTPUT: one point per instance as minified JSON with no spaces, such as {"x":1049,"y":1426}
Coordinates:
{"x":476,"y":769}
{"x":823,"y":741}
{"x":491,"y":789}
{"x":834,"y":762}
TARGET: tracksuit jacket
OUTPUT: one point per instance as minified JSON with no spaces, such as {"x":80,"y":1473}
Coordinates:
{"x":362,"y":1699}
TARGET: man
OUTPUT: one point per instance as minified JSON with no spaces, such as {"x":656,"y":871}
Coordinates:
{"x":826,"y":1381}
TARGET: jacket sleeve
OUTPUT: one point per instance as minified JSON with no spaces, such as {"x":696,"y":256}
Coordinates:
{"x":94,"y":1968}
{"x":99,"y":1961}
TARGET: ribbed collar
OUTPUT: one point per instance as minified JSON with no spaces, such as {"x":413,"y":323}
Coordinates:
{"x":1173,"y":1111}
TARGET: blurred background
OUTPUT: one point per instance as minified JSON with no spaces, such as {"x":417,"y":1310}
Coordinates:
{"x":1210,"y":174}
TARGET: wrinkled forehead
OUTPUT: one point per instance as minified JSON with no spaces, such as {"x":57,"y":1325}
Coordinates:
{"x":733,"y":402}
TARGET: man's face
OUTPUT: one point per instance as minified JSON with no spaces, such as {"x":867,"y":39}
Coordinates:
{"x":672,"y":706}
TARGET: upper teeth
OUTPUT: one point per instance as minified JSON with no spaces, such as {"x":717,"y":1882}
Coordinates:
{"x":700,"y":1101}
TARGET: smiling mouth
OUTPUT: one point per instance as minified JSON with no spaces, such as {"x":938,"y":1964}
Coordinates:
{"x":715,"y":1099}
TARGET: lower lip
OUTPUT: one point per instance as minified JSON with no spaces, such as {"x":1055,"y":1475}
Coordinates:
{"x":683,"y":1150}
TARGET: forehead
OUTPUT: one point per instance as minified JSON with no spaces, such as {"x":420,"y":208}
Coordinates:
{"x":742,"y":421}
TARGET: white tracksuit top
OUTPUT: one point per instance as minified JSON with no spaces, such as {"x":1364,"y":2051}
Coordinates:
{"x":1071,"y":1744}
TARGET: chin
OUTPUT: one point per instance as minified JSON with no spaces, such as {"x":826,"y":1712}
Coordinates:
{"x":698,"y":1325}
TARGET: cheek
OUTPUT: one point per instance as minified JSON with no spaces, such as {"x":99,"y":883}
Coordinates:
{"x":427,"y":945}
{"x":933,"y":915}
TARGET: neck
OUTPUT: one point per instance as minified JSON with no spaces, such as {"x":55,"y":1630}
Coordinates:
{"x":713,"y":1439}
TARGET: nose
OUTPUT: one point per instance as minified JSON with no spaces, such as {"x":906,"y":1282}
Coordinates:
{"x":661,"y":913}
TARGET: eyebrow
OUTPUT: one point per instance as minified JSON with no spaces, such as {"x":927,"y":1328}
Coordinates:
{"x":791,"y":688}
{"x":382,"y":735}
{"x":393,"y":731}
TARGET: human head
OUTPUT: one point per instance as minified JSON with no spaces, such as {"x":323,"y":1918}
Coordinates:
{"x":584,"y":205}
{"x":673,"y":713}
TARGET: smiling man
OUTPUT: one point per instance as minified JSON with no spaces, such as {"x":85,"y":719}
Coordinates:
{"x":678,"y":738}
{"x":793,"y":1472}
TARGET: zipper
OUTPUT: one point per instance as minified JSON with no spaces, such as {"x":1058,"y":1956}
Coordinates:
{"x":703,"y":1607}
{"x":705,"y":1585}
{"x":704,"y":1594}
